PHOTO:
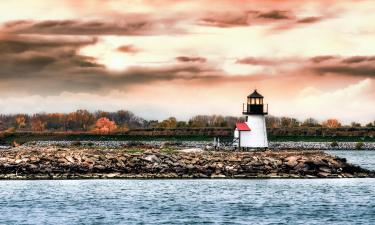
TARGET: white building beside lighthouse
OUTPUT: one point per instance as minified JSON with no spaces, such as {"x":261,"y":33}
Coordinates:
{"x":253,"y":132}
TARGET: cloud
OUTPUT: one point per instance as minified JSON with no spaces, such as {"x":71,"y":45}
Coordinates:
{"x":310,"y":19}
{"x":129,"y":49}
{"x":319,"y":65}
{"x":341,"y":102}
{"x":351,"y":66}
{"x":276,"y":15}
{"x":191,"y":59}
{"x":29,"y":56}
{"x":256,"y":61}
{"x":53,"y":66}
{"x":132,"y":24}
{"x":243,"y":18}
{"x":239,"y":18}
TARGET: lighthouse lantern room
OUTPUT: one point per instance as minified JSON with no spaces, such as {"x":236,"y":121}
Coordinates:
{"x":252,"y":133}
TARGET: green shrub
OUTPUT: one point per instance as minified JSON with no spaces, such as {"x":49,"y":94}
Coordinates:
{"x":359,"y":145}
{"x":334,"y":144}
{"x":76,"y":143}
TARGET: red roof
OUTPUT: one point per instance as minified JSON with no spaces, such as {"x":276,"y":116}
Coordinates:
{"x":242,"y":127}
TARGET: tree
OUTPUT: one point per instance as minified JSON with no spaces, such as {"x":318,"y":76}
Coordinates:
{"x":289,"y":122}
{"x":104,"y":126}
{"x":355,"y":124}
{"x":331,"y":123}
{"x":171,"y":122}
{"x":20,"y":121}
{"x":181,"y":124}
{"x":83,"y":119}
{"x":310,"y":122}
{"x":199,"y":121}
{"x":273,"y":122}
{"x":37,"y":124}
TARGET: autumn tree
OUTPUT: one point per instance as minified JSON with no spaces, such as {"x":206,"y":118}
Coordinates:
{"x":331,"y":123}
{"x":20,"y":121}
{"x":37,"y":124}
{"x":171,"y":122}
{"x":104,"y":126}
{"x":83,"y":118}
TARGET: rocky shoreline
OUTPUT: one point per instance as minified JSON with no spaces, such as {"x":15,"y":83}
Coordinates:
{"x":208,"y":145}
{"x":56,"y":162}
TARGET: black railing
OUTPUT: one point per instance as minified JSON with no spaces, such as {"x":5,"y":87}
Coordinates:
{"x":255,"y":109}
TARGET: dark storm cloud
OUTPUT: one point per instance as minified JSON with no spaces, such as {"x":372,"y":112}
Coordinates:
{"x":52,"y":66}
{"x":359,"y":59}
{"x":276,"y":15}
{"x":350,"y":66}
{"x":225,"y":20}
{"x":127,"y":25}
{"x":11,"y":44}
{"x":22,"y":57}
{"x":319,"y":65}
{"x":285,"y":18}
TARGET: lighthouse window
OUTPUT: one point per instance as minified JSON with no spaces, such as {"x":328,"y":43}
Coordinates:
{"x":257,"y":101}
{"x":252,"y":101}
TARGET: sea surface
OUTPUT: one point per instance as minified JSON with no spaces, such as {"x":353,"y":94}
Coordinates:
{"x":365,"y":159}
{"x":271,"y":201}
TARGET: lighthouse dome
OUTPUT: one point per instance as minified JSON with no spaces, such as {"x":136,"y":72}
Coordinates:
{"x":255,"y":94}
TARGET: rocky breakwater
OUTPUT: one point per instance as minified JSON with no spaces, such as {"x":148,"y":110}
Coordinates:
{"x":78,"y":163}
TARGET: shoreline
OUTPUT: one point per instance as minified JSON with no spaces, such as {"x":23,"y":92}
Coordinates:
{"x":208,"y":145}
{"x":56,"y":162}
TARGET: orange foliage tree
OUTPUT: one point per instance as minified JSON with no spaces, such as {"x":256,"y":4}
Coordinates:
{"x":331,"y":123}
{"x":37,"y":125}
{"x":20,"y":121}
{"x":104,"y":126}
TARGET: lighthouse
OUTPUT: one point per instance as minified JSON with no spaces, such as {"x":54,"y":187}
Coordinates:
{"x":253,"y":132}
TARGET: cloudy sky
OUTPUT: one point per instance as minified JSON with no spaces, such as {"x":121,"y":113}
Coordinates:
{"x":160,"y":58}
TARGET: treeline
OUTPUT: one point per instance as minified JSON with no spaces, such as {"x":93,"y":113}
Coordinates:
{"x":123,"y":121}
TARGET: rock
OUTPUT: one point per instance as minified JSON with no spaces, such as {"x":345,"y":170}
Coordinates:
{"x":69,"y":159}
{"x":325,"y":169}
{"x":218,"y":176}
{"x":188,"y":150}
{"x":152,"y":158}
{"x":323,"y":174}
{"x":99,"y":167}
{"x":291,"y":161}
{"x":63,"y":162}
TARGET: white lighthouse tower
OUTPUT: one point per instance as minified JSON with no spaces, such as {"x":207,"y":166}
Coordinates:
{"x":253,"y":132}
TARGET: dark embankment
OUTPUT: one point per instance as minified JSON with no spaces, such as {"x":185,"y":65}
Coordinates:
{"x":310,"y":134}
{"x":78,"y":163}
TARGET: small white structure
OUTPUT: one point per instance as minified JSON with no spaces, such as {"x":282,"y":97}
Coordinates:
{"x":253,"y":132}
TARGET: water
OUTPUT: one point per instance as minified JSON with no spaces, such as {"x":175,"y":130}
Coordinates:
{"x":275,"y":201}
{"x":335,"y":201}
{"x":365,"y":159}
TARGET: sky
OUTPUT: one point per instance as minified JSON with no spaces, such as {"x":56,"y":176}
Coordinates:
{"x":161,"y":58}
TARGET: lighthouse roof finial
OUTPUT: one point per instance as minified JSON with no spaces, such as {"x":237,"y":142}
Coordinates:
{"x":255,"y":94}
